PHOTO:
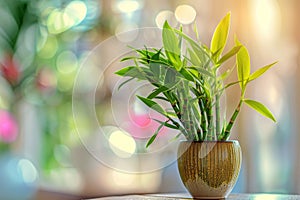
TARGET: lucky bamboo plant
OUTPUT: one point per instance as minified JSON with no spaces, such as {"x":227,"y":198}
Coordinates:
{"x":184,"y":73}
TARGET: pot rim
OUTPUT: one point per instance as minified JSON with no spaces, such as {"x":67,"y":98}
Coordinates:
{"x":211,"y":141}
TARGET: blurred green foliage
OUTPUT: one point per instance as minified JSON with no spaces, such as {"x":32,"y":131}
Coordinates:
{"x":41,"y":46}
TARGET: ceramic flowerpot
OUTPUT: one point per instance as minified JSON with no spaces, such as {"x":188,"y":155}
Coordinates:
{"x":209,"y":170}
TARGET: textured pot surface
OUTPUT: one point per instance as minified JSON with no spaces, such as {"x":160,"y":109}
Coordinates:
{"x":209,"y":170}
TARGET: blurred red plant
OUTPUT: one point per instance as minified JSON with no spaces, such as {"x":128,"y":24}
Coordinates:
{"x":8,"y":127}
{"x":142,"y":125}
{"x":45,"y":80}
{"x":10,"y":70}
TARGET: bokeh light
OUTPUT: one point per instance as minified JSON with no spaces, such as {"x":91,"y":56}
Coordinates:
{"x":60,"y":20}
{"x":48,"y":48}
{"x":164,"y":15}
{"x":75,"y":12}
{"x":267,"y":19}
{"x":28,"y":171}
{"x":66,"y":62}
{"x":266,"y":197}
{"x":62,"y":155}
{"x":122,"y":144}
{"x":185,"y":14}
{"x":127,"y":6}
{"x":65,"y":82}
{"x":124,"y":179}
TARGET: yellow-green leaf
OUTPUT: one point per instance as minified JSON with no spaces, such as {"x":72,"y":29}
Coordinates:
{"x":260,"y":108}
{"x":260,"y":71}
{"x":219,"y":38}
{"x":186,"y":74}
{"x":125,"y":70}
{"x":228,"y":55}
{"x":243,"y":65}
{"x":225,"y":75}
{"x":194,"y":58}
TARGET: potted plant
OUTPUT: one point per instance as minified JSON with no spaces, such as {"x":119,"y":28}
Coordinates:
{"x":185,"y":74}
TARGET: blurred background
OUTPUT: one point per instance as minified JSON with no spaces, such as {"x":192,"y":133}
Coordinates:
{"x":45,"y":143}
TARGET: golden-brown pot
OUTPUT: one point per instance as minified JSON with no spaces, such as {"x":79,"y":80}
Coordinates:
{"x":208,"y":169}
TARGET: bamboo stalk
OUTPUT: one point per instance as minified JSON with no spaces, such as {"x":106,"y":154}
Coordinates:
{"x":174,"y":104}
{"x":204,"y":122}
{"x":229,"y":126}
{"x":208,"y":109}
{"x":218,"y":117}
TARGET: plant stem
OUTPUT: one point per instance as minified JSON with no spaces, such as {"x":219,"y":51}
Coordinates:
{"x":186,"y":118}
{"x":174,"y":104}
{"x":176,"y":107}
{"x":203,"y":119}
{"x":203,"y":123}
{"x":217,"y":103}
{"x":208,"y":109}
{"x":226,"y":134}
{"x":210,"y":134}
{"x":218,"y":121}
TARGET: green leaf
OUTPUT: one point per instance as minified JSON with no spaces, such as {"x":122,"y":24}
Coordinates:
{"x":225,"y":75}
{"x":260,"y":108}
{"x":170,"y":42}
{"x":151,"y":140}
{"x":155,"y":69}
{"x":180,"y":37}
{"x":176,"y":137}
{"x":153,"y":137}
{"x":186,"y":74}
{"x":163,"y":62}
{"x":220,"y":35}
{"x":194,"y":72}
{"x":215,"y":55}
{"x":243,"y":65}
{"x":153,"y":105}
{"x":228,"y":55}
{"x":196,"y":92}
{"x":128,"y":58}
{"x":187,"y":38}
{"x":231,"y":84}
{"x":260,"y":71}
{"x":124,"y":71}
{"x":197,"y":48}
{"x":201,"y":70}
{"x":196,"y":30}
{"x":170,"y":77}
{"x":162,"y":98}
{"x":156,"y":55}
{"x":140,"y":73}
{"x":197,"y":115}
{"x":157,"y":92}
{"x":194,"y":59}
{"x":123,"y":83}
{"x":166,"y":124}
{"x":171,"y":114}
